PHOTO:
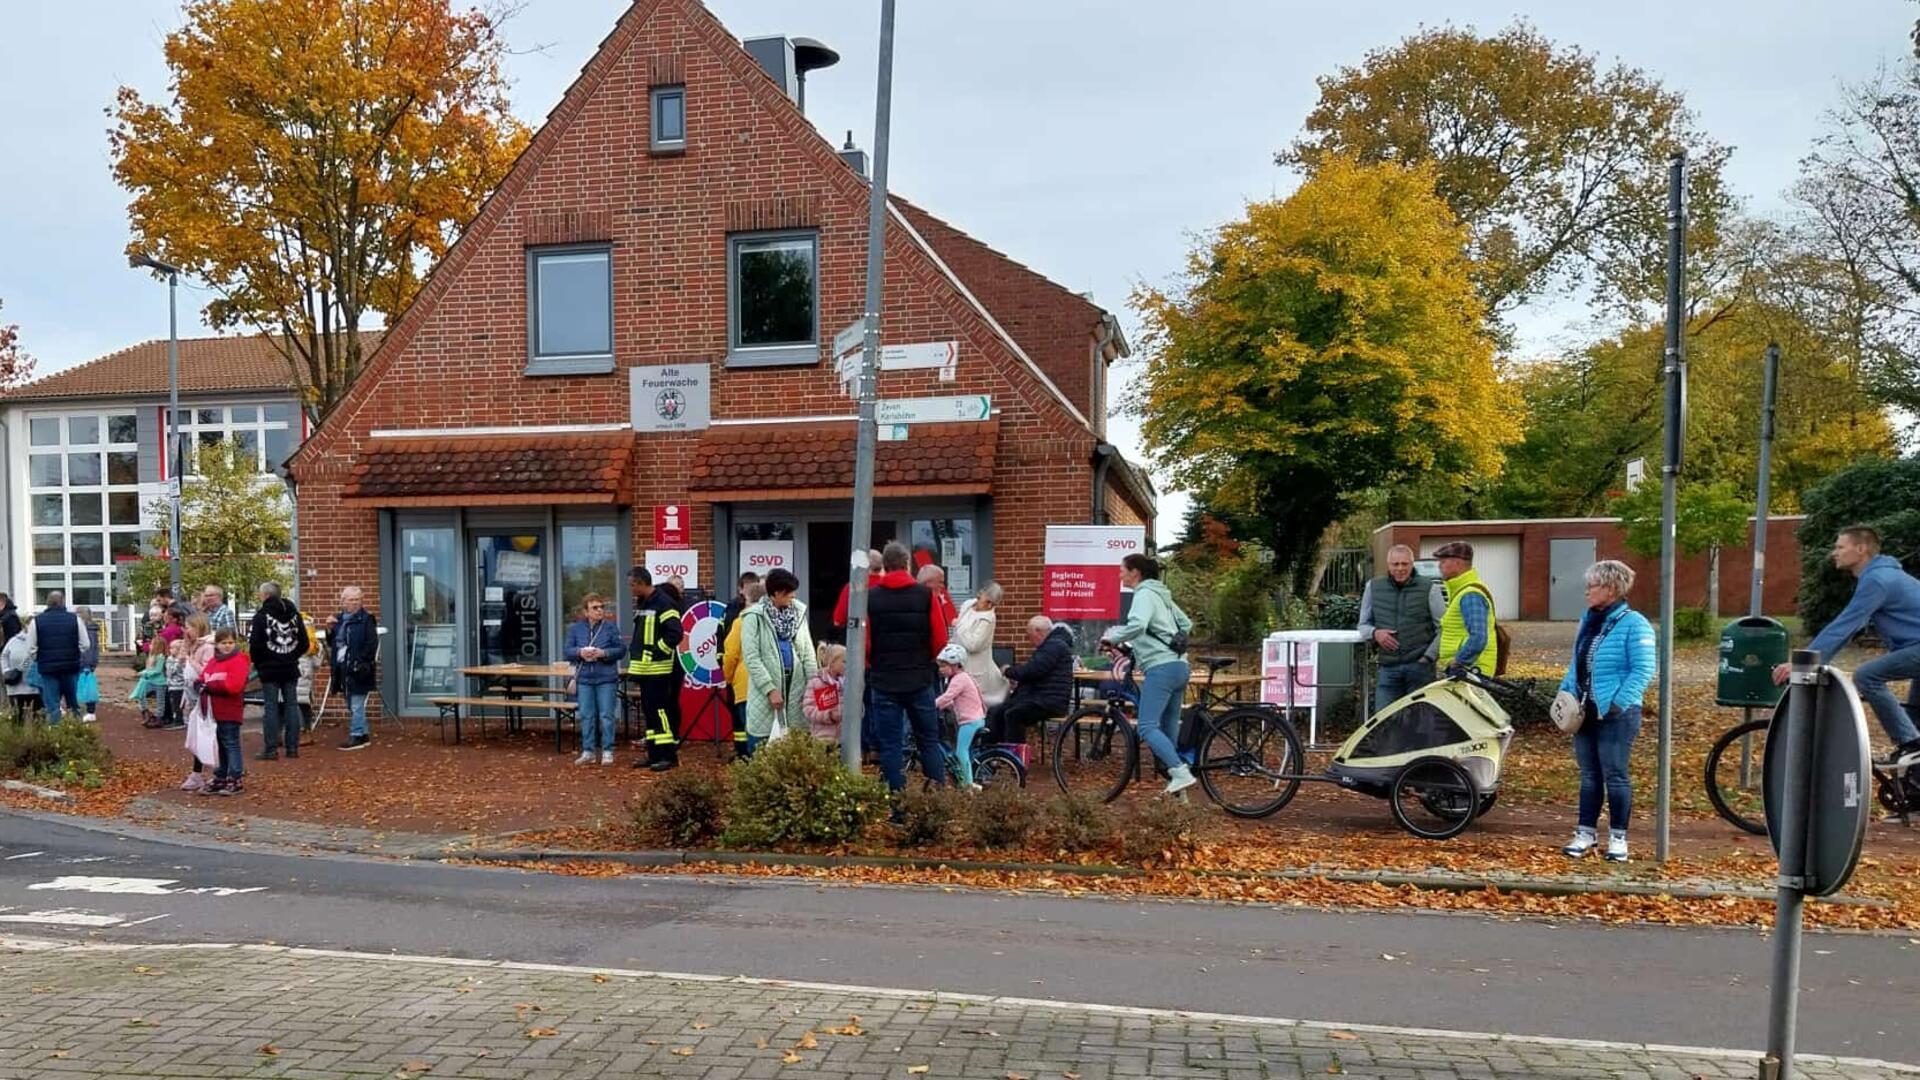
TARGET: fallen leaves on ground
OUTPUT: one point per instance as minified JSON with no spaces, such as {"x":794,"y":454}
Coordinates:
{"x":269,"y":1050}
{"x":682,"y":1051}
{"x":541,"y":1033}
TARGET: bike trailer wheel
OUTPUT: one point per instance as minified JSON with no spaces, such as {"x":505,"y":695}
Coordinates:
{"x":1434,"y":798}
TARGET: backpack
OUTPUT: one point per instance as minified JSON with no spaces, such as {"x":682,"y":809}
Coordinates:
{"x":1502,"y":641}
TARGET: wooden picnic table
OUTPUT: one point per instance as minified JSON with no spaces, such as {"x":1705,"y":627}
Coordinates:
{"x":500,"y":681}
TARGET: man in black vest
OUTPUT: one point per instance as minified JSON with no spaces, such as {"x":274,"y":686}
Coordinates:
{"x":904,"y":633}
{"x":57,"y":641}
{"x":1400,"y":612}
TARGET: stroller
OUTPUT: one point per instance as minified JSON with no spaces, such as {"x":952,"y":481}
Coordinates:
{"x":1435,"y":755}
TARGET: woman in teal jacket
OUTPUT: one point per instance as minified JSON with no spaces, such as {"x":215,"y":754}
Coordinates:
{"x":777,"y":649}
{"x":1613,"y":661}
{"x":1153,"y":624}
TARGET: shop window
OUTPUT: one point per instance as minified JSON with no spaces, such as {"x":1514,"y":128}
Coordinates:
{"x":774,"y":299}
{"x":948,"y":543}
{"x":668,"y":106}
{"x":570,"y":310}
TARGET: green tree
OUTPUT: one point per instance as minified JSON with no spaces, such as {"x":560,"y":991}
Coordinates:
{"x":234,"y":528}
{"x":1556,"y":167}
{"x":315,"y":159}
{"x":1323,"y":345}
{"x":16,"y":367}
{"x":1884,"y":494}
{"x":1706,"y":517}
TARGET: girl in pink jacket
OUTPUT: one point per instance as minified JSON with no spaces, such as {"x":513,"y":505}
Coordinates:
{"x":963,"y":697}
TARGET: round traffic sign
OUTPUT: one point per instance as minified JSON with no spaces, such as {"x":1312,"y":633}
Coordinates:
{"x":1840,"y":798}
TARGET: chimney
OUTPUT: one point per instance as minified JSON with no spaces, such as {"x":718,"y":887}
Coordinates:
{"x":854,"y":156}
{"x":787,"y":61}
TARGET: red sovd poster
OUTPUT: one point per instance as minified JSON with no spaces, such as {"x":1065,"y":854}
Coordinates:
{"x":1083,"y":569}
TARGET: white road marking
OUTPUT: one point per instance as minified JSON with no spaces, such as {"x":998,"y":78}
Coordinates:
{"x":23,"y":855}
{"x":137,"y":886}
{"x":63,"y":917}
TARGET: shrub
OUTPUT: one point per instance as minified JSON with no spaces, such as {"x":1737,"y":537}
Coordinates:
{"x":1077,"y":824}
{"x":1003,"y":816}
{"x":1882,"y":494}
{"x":1532,"y":707}
{"x":930,"y":816}
{"x":70,"y":753}
{"x":685,"y":808}
{"x":1160,"y":832}
{"x":1337,"y":612}
{"x":1242,"y":608}
{"x":793,"y":791}
{"x":1691,"y":624}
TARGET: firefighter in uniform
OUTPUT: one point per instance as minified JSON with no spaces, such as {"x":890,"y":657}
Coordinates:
{"x":653,"y":664}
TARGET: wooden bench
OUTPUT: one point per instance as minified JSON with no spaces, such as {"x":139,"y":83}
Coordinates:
{"x":450,"y":709}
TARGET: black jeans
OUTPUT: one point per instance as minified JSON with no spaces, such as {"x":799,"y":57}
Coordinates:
{"x":282,"y":720}
{"x":1007,"y":722}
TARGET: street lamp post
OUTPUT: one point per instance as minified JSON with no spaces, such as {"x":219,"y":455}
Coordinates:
{"x":174,"y":455}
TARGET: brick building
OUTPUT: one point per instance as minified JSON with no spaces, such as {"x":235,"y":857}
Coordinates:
{"x":675,"y":250}
{"x":1534,"y":567}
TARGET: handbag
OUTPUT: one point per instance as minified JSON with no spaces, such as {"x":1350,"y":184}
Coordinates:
{"x":86,"y":688}
{"x":202,"y":742}
{"x":1566,"y":712}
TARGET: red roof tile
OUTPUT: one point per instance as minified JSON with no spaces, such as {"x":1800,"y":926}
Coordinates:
{"x":207,"y":364}
{"x":495,"y":470}
{"x":819,"y":457}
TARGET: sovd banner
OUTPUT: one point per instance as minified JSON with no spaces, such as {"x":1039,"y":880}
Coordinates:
{"x":761,"y":556}
{"x":1083,"y":569}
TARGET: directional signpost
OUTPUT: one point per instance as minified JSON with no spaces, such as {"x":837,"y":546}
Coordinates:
{"x":935,"y":410}
{"x":941,"y":356}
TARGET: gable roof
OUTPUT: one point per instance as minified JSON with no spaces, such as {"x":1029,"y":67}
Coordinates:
{"x":241,"y":364}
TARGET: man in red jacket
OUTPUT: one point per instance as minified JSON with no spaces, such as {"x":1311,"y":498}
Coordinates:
{"x":846,"y":591}
{"x":905,"y":631}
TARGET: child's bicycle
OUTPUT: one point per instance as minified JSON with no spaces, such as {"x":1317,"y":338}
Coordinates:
{"x":992,"y":763}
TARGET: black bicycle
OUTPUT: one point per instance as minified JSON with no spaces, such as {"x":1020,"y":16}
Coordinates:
{"x":1248,"y":757}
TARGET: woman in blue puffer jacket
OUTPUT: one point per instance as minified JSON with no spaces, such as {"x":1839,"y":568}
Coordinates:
{"x":1613,"y":661}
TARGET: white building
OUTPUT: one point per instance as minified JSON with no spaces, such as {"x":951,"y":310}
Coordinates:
{"x":86,"y":457}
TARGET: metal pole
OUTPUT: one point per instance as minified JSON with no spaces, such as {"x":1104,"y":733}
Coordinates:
{"x":173,"y":422}
{"x":1676,"y":420}
{"x":854,"y":698}
{"x":1770,"y":380}
{"x":1797,"y":790}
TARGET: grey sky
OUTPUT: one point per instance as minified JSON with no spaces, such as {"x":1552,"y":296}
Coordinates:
{"x":1089,"y":139}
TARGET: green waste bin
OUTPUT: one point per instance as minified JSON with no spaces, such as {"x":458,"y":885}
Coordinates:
{"x":1749,"y":650}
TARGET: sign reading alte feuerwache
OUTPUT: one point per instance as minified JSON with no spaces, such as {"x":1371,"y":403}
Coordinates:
{"x":672,"y":397}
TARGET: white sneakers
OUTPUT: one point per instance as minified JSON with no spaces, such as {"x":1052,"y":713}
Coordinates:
{"x":1179,"y":778}
{"x":606,"y":757}
{"x":194,"y":782}
{"x":89,"y":719}
{"x":1617,"y":846}
{"x":1585,"y":840}
{"x":585,"y":758}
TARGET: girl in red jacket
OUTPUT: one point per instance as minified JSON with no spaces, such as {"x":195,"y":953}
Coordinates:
{"x":224,"y":682}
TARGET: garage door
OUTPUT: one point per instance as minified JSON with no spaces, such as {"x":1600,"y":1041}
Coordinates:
{"x":1498,"y":560}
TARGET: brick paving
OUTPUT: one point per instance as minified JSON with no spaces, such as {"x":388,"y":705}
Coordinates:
{"x":265,"y":1011}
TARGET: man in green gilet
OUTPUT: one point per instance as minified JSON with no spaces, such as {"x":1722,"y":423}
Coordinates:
{"x":1400,"y":613}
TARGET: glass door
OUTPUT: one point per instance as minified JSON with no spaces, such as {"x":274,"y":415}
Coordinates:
{"x":510,"y":586}
{"x":429,"y":587}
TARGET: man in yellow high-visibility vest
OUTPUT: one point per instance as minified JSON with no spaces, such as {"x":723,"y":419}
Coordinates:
{"x":1467,"y":627}
{"x":653,"y":665}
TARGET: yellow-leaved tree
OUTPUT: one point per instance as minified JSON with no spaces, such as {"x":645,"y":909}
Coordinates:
{"x":315,"y":159}
{"x":1326,"y":344}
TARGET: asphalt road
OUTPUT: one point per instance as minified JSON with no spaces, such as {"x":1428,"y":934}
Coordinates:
{"x":1637,"y":984}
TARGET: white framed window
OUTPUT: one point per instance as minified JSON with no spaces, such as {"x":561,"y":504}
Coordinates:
{"x":773,"y":298}
{"x":268,"y":431}
{"x":570,"y":310}
{"x":83,"y":501}
{"x":667,"y":110}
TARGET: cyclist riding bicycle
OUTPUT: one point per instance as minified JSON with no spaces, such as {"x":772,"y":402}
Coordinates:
{"x":1889,"y":598}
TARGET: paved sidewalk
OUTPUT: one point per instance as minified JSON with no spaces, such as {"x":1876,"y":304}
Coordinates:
{"x":243,"y":1011}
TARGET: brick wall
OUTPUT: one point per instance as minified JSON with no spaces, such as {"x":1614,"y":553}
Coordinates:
{"x":456,"y":359}
{"x":1689,"y":577}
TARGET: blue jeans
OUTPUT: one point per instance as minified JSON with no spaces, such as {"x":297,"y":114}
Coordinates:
{"x":357,"y":712}
{"x":891,"y":715}
{"x":1398,"y":680}
{"x":57,"y":688}
{"x":1162,"y":690}
{"x":1602,"y":748}
{"x":1871,"y":679}
{"x":599,"y":705}
{"x":232,"y":765}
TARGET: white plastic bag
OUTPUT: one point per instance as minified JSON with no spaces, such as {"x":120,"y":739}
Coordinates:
{"x":202,"y":742}
{"x":779,"y":726}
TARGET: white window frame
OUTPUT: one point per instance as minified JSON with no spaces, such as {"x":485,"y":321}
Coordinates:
{"x":63,"y":575}
{"x":188,"y":429}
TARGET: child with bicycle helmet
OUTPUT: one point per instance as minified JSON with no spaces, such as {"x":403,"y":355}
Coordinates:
{"x":962,"y":695}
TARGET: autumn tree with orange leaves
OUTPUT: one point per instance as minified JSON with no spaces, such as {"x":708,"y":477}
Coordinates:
{"x":315,"y":159}
{"x":16,"y":367}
